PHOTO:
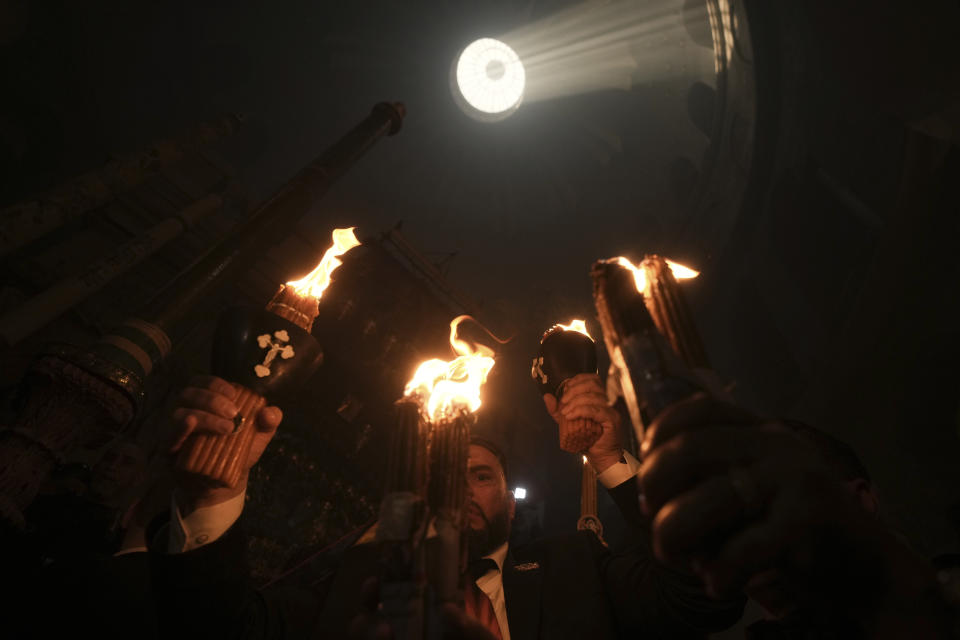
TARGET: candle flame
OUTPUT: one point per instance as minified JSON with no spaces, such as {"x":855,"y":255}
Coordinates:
{"x":317,"y":281}
{"x":576,"y":325}
{"x":680,"y":272}
{"x":444,"y":388}
{"x":584,"y":459}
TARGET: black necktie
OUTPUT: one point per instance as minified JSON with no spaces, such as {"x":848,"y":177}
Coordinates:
{"x":480,"y":567}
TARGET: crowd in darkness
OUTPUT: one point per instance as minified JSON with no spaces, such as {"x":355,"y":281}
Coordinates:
{"x":721,"y":505}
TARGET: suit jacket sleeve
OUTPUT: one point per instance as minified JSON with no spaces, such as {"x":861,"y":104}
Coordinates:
{"x":206,"y":592}
{"x":650,"y":598}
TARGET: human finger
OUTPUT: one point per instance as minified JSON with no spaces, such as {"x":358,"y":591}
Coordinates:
{"x":208,"y":401}
{"x":754,"y":549}
{"x":214,"y":384}
{"x":585,"y":396}
{"x":266,"y":427}
{"x":190,"y":421}
{"x":269,"y":419}
{"x":697,"y":411}
{"x":186,"y":423}
{"x":581,"y":383}
{"x":600,"y":414}
{"x":550,"y":402}
{"x":690,"y":458}
{"x":697,"y":522}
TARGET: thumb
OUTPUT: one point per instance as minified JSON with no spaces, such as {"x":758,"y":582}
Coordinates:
{"x":550,"y":402}
{"x":267,"y":422}
{"x":269,"y":419}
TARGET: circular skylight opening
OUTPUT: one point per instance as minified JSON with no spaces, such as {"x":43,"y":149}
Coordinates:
{"x":489,"y":79}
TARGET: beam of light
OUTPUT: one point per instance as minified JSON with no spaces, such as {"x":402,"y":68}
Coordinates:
{"x":490,"y":78}
{"x":603,"y":45}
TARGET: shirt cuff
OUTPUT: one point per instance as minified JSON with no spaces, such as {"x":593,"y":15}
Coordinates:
{"x":617,"y":474}
{"x":204,"y":525}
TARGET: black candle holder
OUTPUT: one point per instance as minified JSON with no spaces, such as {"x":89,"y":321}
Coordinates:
{"x":565,"y":353}
{"x":243,"y":341}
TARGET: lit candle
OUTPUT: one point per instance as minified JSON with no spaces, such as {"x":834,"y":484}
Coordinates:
{"x":589,"y":517}
{"x":448,"y":393}
{"x":657,"y":279}
{"x":650,"y":374}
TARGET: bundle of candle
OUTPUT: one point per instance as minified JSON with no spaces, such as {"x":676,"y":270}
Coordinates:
{"x":260,"y":352}
{"x":657,"y":279}
{"x":402,"y":525}
{"x":427,"y":467}
{"x":567,"y":350}
{"x":650,"y":373}
{"x":298,"y":301}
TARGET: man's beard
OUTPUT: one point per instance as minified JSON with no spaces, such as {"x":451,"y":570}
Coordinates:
{"x":494,"y":533}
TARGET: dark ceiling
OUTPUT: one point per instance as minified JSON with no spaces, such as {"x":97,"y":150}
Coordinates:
{"x":103,"y":77}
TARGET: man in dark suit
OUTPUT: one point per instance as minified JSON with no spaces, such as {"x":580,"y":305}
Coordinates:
{"x":570,"y":586}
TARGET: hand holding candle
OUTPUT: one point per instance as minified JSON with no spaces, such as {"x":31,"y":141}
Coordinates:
{"x":586,"y":420}
{"x":207,"y":408}
{"x":260,"y":352}
{"x":448,"y":394}
{"x":566,"y":372}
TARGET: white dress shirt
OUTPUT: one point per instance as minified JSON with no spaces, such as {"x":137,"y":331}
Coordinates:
{"x":491,"y":583}
{"x":203,"y":525}
{"x":619,"y":473}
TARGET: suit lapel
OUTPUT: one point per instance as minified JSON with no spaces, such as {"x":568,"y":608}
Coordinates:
{"x":522,"y":584}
